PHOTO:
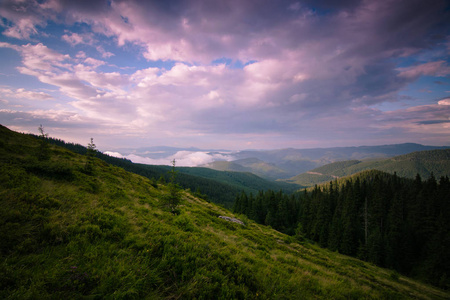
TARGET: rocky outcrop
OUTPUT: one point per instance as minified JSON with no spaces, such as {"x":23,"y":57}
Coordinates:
{"x":234,"y":220}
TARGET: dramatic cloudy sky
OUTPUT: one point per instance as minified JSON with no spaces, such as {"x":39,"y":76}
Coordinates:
{"x":227,"y":74}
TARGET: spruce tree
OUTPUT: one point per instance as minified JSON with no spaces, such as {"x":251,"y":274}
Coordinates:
{"x":172,"y":200}
{"x":90,"y":154}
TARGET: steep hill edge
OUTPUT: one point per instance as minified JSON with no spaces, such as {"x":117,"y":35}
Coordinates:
{"x":220,"y":187}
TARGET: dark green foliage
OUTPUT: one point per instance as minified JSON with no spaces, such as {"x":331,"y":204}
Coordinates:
{"x":392,"y":222}
{"x":53,"y":169}
{"x":277,"y":210}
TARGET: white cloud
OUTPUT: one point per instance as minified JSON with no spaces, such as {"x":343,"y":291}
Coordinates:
{"x":182,"y":158}
{"x":114,"y":154}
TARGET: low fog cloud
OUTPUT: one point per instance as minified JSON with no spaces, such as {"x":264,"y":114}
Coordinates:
{"x":182,"y":158}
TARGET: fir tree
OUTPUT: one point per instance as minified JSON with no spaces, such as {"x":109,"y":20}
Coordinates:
{"x":90,"y":154}
{"x":172,"y":200}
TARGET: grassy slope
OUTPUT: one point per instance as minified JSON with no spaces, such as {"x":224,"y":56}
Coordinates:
{"x":408,"y":165}
{"x":67,"y":234}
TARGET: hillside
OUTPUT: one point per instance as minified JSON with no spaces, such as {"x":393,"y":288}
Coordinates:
{"x":393,"y":222}
{"x":239,"y":180}
{"x":409,"y":165}
{"x":220,"y":187}
{"x":251,"y":165}
{"x":71,"y":233}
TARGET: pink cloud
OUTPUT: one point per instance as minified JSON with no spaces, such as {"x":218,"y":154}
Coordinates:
{"x":445,"y":101}
{"x":25,"y":17}
{"x":24,"y":94}
{"x":104,"y":53}
{"x":40,"y":57}
{"x":306,"y":68}
{"x":435,"y":68}
{"x":75,"y":38}
{"x":94,"y":62}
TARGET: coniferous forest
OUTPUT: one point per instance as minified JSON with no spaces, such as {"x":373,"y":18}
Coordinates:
{"x":390,"y":221}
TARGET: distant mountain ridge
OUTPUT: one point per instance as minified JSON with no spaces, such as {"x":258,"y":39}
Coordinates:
{"x":423,"y":163}
{"x":286,"y":163}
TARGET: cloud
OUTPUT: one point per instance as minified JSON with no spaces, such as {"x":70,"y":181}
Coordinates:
{"x":103,"y":52}
{"x":445,"y":101}
{"x":183,"y":158}
{"x":25,"y":17}
{"x":51,"y":118}
{"x":77,"y":79}
{"x":24,"y":94}
{"x":241,"y":70}
{"x":74,"y":38}
{"x":435,"y":68}
{"x":94,"y":62}
{"x":8,"y":45}
{"x":432,"y":122}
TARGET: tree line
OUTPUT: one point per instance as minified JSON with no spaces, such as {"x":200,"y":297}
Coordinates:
{"x":393,"y":222}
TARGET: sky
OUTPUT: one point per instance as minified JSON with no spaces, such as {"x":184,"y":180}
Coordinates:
{"x":227,"y":74}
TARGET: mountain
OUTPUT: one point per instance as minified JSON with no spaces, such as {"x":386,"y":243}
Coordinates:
{"x":252,"y":165}
{"x":286,"y":163}
{"x":423,"y":163}
{"x":221,"y":165}
{"x":240,"y":180}
{"x":74,"y":232}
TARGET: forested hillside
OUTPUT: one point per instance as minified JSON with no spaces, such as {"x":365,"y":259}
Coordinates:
{"x":393,"y":222}
{"x":75,"y":227}
{"x":424,"y":163}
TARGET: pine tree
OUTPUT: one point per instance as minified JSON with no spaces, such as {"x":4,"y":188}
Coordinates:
{"x":90,"y":154}
{"x":172,"y":200}
{"x":349,"y":242}
{"x":395,"y":234}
